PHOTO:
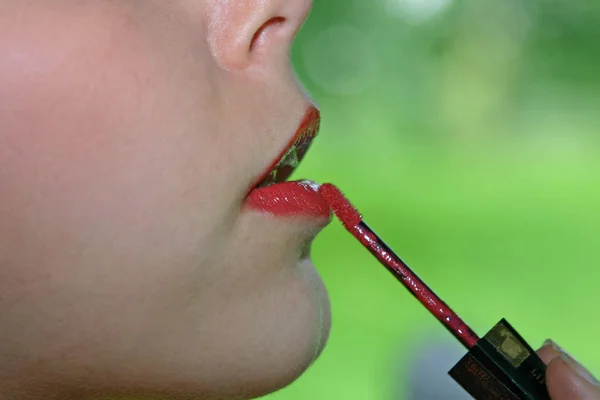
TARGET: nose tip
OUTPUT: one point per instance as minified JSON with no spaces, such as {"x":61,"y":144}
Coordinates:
{"x":297,"y":12}
{"x":247,"y":31}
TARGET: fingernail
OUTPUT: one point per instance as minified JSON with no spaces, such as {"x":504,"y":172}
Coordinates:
{"x":579,"y":369}
{"x":553,"y":345}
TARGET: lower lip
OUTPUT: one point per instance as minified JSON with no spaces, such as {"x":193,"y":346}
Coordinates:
{"x":289,"y":199}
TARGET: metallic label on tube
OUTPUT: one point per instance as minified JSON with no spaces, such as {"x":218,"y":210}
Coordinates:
{"x":502,"y":366}
{"x":502,"y":338}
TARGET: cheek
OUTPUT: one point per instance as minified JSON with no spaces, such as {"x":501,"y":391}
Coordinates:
{"x":106,"y":170}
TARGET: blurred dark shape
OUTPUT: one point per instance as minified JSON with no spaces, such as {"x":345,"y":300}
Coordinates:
{"x":427,"y":372}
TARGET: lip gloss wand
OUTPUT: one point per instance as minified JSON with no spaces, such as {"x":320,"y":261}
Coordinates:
{"x":501,"y":365}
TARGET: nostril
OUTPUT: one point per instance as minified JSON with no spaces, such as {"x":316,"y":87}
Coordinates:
{"x":262,"y":34}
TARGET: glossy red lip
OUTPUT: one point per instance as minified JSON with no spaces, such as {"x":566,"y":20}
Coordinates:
{"x":273,"y":195}
{"x":290,"y":199}
{"x":290,"y":157}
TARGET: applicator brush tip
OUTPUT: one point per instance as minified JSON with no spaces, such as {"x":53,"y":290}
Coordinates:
{"x":339,"y":204}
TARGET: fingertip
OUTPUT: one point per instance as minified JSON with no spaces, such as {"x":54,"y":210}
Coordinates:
{"x":566,"y":384}
{"x":549,"y":351}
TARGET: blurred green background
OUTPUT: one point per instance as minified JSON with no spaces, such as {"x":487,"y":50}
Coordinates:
{"x":466,"y":132}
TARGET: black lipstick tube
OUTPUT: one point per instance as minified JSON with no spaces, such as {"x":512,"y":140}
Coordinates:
{"x":502,"y":366}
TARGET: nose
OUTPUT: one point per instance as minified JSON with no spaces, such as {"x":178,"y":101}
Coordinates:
{"x":245,"y":33}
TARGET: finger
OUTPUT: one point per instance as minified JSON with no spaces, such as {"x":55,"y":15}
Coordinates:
{"x":549,"y":351}
{"x":568,"y":380}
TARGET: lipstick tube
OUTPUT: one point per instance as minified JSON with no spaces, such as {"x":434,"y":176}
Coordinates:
{"x":502,"y":366}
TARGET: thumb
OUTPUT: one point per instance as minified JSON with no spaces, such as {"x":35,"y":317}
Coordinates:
{"x":569,"y":380}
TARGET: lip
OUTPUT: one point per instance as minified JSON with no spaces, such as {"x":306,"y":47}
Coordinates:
{"x":290,"y":199}
{"x":287,"y":161}
{"x":272,"y":194}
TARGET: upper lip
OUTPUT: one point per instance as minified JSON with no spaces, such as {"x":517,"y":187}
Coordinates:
{"x":283,"y":166}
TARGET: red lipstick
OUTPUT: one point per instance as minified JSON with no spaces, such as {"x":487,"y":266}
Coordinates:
{"x":273,"y":195}
{"x":290,"y":199}
{"x":287,"y":161}
{"x":501,"y":365}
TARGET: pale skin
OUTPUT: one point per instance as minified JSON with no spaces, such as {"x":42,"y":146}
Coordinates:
{"x":129,"y":133}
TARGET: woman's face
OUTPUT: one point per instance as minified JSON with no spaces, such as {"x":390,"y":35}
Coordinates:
{"x":132,"y":261}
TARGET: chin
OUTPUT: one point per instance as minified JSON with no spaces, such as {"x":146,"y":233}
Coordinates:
{"x":263,"y":338}
{"x":301,"y":325}
{"x":269,"y":320}
{"x":281,"y":333}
